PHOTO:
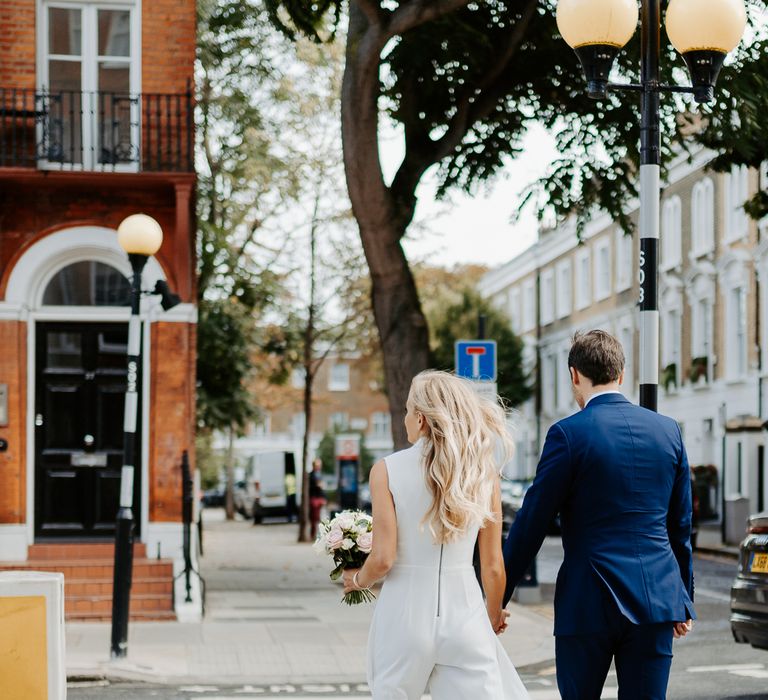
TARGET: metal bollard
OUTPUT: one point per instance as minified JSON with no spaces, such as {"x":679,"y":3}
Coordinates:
{"x":32,"y":652}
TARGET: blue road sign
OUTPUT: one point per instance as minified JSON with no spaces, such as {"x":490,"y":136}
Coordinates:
{"x":476,"y":359}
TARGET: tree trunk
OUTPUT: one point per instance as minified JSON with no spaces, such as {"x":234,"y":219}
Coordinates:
{"x":229,"y":497}
{"x":304,"y":513}
{"x":402,"y":327}
{"x":309,"y":375}
{"x":382,"y":220}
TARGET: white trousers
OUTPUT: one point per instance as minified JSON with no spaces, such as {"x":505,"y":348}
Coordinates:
{"x":430,"y":631}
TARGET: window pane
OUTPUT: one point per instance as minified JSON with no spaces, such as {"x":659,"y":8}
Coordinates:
{"x":114,"y":77}
{"x":63,"y":125}
{"x":114,"y":33}
{"x":114,"y":108}
{"x":65,"y":75}
{"x":87,"y":283}
{"x":64,"y":31}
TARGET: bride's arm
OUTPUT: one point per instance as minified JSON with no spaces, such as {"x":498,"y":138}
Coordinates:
{"x":492,"y":563}
{"x":384,"y":550}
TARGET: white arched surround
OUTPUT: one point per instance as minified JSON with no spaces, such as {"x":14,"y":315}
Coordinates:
{"x":47,"y":256}
{"x":23,"y":301}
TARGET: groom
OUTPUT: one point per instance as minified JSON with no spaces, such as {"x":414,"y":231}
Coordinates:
{"x":618,"y":475}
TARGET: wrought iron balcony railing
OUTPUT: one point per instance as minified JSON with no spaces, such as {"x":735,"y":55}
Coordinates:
{"x":96,"y":131}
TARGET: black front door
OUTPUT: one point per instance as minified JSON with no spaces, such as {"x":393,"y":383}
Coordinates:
{"x":79,"y":406}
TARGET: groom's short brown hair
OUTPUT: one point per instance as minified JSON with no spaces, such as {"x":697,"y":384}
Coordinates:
{"x":598,"y":356}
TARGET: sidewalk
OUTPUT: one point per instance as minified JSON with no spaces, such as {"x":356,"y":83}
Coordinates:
{"x":272,"y":617}
{"x":710,"y":542}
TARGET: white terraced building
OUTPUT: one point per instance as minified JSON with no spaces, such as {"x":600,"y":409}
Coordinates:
{"x":713,"y":311}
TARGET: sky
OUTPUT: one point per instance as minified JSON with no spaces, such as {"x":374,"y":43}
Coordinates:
{"x":474,"y":228}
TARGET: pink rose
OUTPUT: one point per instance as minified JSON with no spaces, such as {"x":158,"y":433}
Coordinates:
{"x":365,"y":542}
{"x":334,"y":539}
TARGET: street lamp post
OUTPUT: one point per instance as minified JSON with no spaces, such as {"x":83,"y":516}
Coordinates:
{"x":140,"y":236}
{"x":597,"y":30}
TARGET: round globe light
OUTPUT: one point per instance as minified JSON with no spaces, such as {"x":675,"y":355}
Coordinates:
{"x":715,"y":25}
{"x":140,"y":234}
{"x":597,"y":22}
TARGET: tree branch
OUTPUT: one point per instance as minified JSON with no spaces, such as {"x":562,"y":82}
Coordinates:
{"x":412,"y":14}
{"x":477,"y":102}
{"x":376,"y":14}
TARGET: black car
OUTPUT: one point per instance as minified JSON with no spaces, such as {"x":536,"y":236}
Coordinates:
{"x":749,"y":593}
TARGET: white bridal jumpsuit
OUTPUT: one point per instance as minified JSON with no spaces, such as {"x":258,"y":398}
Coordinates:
{"x":430,"y":630}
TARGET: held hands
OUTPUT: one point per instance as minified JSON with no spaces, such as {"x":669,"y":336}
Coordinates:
{"x":498,"y":620}
{"x":680,"y":629}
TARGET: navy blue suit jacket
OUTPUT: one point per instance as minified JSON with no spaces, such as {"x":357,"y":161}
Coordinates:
{"x":619,"y":477}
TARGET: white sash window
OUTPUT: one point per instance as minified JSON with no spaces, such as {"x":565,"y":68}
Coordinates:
{"x":89,"y":79}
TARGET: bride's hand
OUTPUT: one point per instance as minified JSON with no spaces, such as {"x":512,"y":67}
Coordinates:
{"x":349,"y":585}
{"x":498,"y":620}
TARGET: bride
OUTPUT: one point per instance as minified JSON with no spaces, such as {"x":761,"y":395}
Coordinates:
{"x":431,"y":503}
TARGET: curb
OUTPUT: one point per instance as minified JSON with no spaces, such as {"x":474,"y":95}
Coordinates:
{"x":717,"y":552}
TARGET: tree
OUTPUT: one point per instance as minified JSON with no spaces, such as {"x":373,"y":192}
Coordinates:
{"x":464,"y":80}
{"x":459,"y":321}
{"x":245,"y":181}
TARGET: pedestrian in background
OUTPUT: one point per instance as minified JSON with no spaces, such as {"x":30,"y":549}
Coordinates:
{"x":290,"y":496}
{"x":317,"y":499}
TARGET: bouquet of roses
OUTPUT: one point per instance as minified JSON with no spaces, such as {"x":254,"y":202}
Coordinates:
{"x":348,"y":538}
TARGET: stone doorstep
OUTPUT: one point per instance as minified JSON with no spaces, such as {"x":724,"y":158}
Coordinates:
{"x":88,"y":577}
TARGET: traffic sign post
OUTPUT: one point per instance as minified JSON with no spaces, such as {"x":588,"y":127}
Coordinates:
{"x":476,"y":360}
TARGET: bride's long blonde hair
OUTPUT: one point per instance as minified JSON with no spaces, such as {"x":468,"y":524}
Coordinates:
{"x":467,"y":443}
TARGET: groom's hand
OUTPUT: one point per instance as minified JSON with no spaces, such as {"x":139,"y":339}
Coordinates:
{"x":680,"y":629}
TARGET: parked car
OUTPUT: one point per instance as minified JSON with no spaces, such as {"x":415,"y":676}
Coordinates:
{"x":749,"y":593}
{"x":213,"y":498}
{"x":512,"y":494}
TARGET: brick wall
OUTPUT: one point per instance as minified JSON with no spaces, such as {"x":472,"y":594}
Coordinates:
{"x":31,"y":209}
{"x":168,"y":45}
{"x":13,"y":365}
{"x":363,"y":399}
{"x":171,"y":416}
{"x":17,"y":44}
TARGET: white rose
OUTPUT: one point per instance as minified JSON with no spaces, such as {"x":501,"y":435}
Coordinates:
{"x":365,"y":542}
{"x":361,"y":528}
{"x":347,"y":543}
{"x":346,"y":521}
{"x":334,"y":539}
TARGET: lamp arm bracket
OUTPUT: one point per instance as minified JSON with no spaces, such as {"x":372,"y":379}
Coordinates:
{"x":687,"y":89}
{"x":649,"y":87}
{"x":626,"y":87}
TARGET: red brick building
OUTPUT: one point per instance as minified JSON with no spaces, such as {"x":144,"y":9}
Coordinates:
{"x":96,"y":123}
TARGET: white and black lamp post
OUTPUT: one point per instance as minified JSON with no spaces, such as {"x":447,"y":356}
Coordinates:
{"x":704,"y":33}
{"x":140,"y":236}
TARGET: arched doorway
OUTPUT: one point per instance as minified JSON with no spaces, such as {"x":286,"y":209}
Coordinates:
{"x":70,"y":289}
